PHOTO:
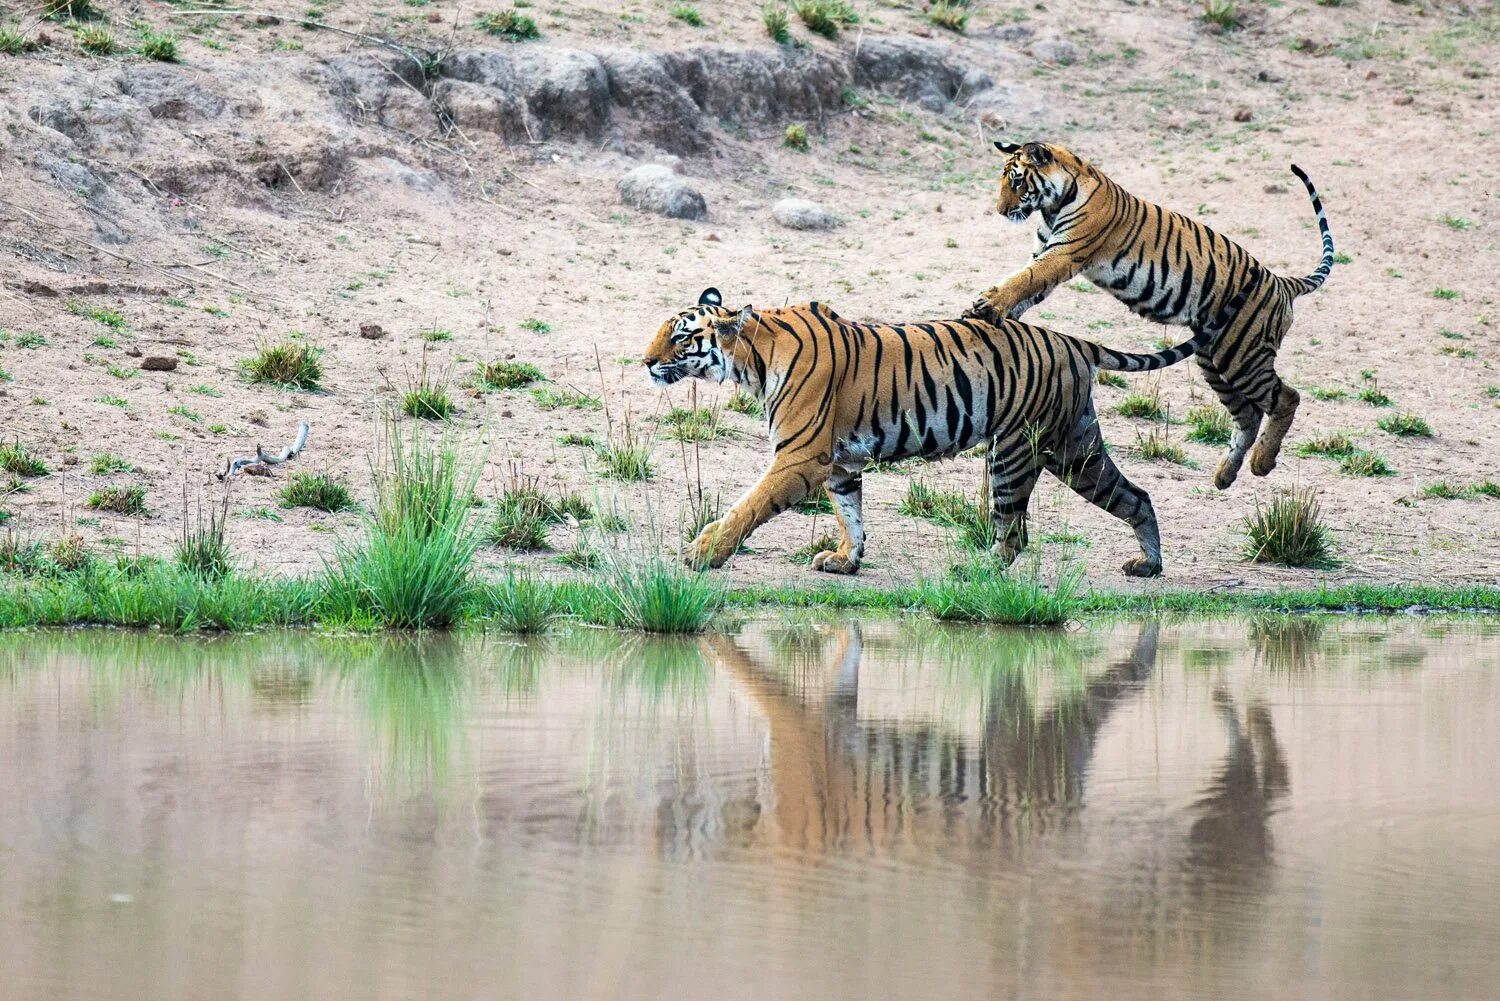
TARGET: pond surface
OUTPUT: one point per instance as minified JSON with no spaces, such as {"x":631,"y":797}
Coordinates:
{"x":822,"y":809}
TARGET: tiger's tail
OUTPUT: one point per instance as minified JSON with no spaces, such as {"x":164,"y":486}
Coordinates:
{"x":1314,"y":281}
{"x":1125,"y":361}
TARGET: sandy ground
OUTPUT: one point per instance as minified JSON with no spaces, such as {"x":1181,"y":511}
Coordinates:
{"x":1391,"y":108}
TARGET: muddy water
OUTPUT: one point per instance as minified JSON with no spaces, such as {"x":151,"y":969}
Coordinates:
{"x":819,"y":810}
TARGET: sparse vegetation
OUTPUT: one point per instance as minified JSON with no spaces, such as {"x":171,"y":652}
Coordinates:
{"x":688,"y":14}
{"x":1328,"y":394}
{"x":1221,"y":14}
{"x":980,"y":591}
{"x":1445,"y":293}
{"x":161,"y":46}
{"x":1333,"y":446}
{"x":1289,"y":531}
{"x":825,"y":17}
{"x":30,"y":340}
{"x":1443,"y":490}
{"x":950,"y":14}
{"x":626,"y":454}
{"x":1361,"y":463}
{"x":435,"y":335}
{"x":536,"y":326}
{"x":521,"y":603}
{"x":13,"y":43}
{"x":1114,"y":380}
{"x":803,"y":555}
{"x":1405,"y":426}
{"x":774,"y":17}
{"x":745,"y":403}
{"x":1375,"y":396}
{"x":1456,"y":223}
{"x":1146,"y":405}
{"x":795,"y":137}
{"x":96,"y":40}
{"x":69,"y":10}
{"x":507,"y":374}
{"x":696,"y":424}
{"x":16,"y":459}
{"x":426,"y":397}
{"x":1156,"y":446}
{"x":655,"y":596}
{"x":1209,"y":423}
{"x":202,"y":549}
{"x":121,"y":500}
{"x":511,"y":25}
{"x":320,"y":491}
{"x":107,"y":462}
{"x":553,"y":397}
{"x":292,"y":364}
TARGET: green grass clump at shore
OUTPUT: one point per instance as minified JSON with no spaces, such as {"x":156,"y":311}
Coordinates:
{"x":980,"y":592}
{"x":414,"y":568}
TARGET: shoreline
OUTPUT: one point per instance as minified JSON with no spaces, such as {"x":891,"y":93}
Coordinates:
{"x":669,"y":601}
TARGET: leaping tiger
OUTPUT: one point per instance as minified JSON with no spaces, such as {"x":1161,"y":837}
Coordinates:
{"x":839,"y":395}
{"x":1164,"y":266}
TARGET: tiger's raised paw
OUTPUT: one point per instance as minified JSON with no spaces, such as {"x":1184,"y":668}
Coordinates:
{"x":982,"y":309}
{"x":1261,"y":464}
{"x":705,"y":552}
{"x":1142,"y":567}
{"x":829,"y":561}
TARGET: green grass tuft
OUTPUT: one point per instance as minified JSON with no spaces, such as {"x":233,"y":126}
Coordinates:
{"x":1112,"y":379}
{"x":1328,"y":394}
{"x":97,"y":41}
{"x":656,"y":596}
{"x":521,"y":603}
{"x":980,"y":591}
{"x":774,"y":17}
{"x":161,"y":46}
{"x":202,"y":550}
{"x":1375,"y":396}
{"x":1405,"y":426}
{"x":825,"y":17}
{"x":626,"y":454}
{"x":1209,"y":424}
{"x":696,"y":424}
{"x":17,"y":459}
{"x":107,"y":462}
{"x":950,"y":14}
{"x":1221,"y":14}
{"x":1361,"y":463}
{"x":319,"y":491}
{"x":292,"y":364}
{"x":507,"y":374}
{"x":121,"y":500}
{"x":745,"y":403}
{"x":554,"y":397}
{"x":511,"y":25}
{"x":688,"y":14}
{"x":1290,"y":532}
{"x":795,"y":137}
{"x":1333,"y":446}
{"x":1156,"y":446}
{"x":1443,"y":490}
{"x":1146,"y":405}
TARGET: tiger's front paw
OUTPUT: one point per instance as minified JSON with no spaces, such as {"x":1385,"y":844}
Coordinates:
{"x":983,"y":309}
{"x":831,"y":561}
{"x":707,"y":550}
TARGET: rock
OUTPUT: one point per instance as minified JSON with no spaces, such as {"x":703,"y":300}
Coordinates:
{"x":70,"y":460}
{"x":1275,"y":189}
{"x":654,"y":188}
{"x":1006,"y":32}
{"x":555,"y":91}
{"x":371,"y":331}
{"x":760,"y":84}
{"x":158,"y":363}
{"x":917,"y":70}
{"x":1242,"y":114}
{"x":1058,"y":51}
{"x":73,"y":177}
{"x":1010,"y":104}
{"x":1403,"y":100}
{"x":799,"y":213}
{"x":661,"y":109}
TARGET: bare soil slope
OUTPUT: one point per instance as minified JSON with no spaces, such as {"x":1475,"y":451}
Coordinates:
{"x":285,"y":178}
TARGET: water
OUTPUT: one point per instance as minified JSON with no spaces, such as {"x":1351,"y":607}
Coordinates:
{"x":826,"y":809}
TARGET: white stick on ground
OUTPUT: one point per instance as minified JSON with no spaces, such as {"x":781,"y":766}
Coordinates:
{"x":290,"y":452}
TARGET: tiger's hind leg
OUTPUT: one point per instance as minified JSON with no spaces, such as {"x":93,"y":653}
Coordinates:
{"x":1012,"y":468}
{"x":844,"y":487}
{"x":1246,"y":415}
{"x":1089,"y":471}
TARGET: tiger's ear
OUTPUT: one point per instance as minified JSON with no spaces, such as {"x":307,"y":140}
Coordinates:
{"x":1006,"y":148}
{"x":710,"y":297}
{"x":728,"y":330}
{"x":1038,"y":154}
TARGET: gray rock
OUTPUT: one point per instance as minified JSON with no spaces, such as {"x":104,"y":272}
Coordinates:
{"x":1055,"y":50}
{"x":799,"y":213}
{"x":759,"y":84}
{"x":389,"y":91}
{"x":562,"y":92}
{"x":661,"y":110}
{"x":654,"y":188}
{"x":74,"y":177}
{"x":916,"y":69}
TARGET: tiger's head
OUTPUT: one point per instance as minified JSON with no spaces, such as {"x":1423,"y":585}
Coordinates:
{"x":694,"y":343}
{"x":1035,"y":178}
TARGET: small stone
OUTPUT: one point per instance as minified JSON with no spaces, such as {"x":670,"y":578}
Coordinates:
{"x":1372,"y":75}
{"x":256,"y":469}
{"x":371,"y":331}
{"x":70,"y":460}
{"x":506,"y":413}
{"x":1242,"y":114}
{"x":799,"y":213}
{"x":1275,"y":189}
{"x":712,"y":238}
{"x":158,"y":363}
{"x":133,"y":351}
{"x":1403,"y":100}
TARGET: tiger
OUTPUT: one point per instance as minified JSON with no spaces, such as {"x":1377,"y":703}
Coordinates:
{"x":1167,"y":267}
{"x":839,"y":395}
